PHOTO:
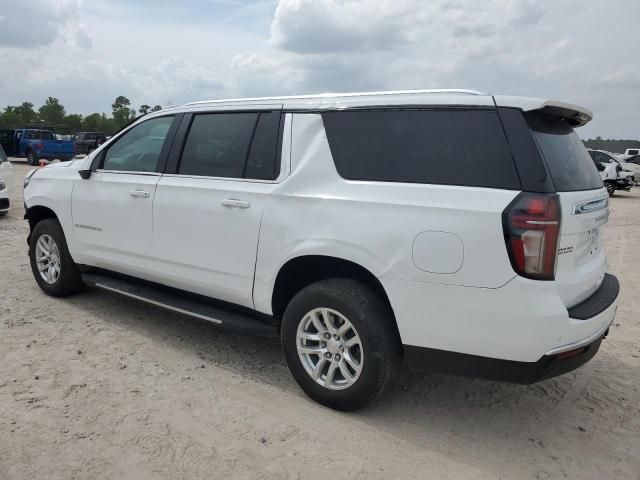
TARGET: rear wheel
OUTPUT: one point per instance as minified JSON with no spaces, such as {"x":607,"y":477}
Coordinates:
{"x":340,"y":343}
{"x":611,"y":188}
{"x":31,"y":158}
{"x":51,"y":264}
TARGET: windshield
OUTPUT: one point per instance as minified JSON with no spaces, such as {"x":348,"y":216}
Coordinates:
{"x":567,"y":158}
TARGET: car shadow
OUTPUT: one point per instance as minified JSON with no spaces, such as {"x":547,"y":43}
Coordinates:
{"x":496,"y":420}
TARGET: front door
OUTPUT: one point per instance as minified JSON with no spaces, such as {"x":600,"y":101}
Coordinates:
{"x":112,"y":209}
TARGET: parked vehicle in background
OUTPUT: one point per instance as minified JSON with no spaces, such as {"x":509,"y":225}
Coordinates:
{"x":6,"y":179}
{"x":635,"y":160}
{"x":329,"y":221}
{"x":608,"y":173}
{"x":624,"y":176}
{"x":630,"y":152}
{"x":87,"y":142}
{"x":633,"y":164}
{"x":36,"y":143}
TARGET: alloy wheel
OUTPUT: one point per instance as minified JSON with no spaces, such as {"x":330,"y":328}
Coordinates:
{"x":329,"y":348}
{"x":48,"y":259}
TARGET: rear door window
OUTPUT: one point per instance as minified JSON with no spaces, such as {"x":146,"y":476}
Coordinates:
{"x":447,"y":147}
{"x":567,"y":159}
{"x":232,"y":145}
{"x":217,"y":145}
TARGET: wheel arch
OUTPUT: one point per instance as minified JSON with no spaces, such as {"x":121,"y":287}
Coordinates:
{"x":36,"y":214}
{"x":300,"y":272}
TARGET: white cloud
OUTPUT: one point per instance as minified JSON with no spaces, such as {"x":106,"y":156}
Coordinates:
{"x":36,"y":23}
{"x":88,"y":53}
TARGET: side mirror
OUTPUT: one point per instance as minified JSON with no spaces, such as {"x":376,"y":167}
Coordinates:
{"x":86,"y":173}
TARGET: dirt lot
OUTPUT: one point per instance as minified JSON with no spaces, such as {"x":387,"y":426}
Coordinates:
{"x":97,"y":386}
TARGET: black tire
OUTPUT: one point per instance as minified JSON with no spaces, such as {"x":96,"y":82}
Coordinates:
{"x":611,"y":188}
{"x":372,"y":319}
{"x":69,"y":280}
{"x":31,"y":158}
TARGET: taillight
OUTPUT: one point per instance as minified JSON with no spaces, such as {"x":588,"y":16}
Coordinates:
{"x":531,"y":226}
{"x":39,"y":146}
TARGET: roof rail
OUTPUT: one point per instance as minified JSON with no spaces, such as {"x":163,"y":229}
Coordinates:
{"x":353,"y":94}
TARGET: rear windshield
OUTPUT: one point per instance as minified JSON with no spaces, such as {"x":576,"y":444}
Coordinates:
{"x":447,"y":147}
{"x":567,"y":158}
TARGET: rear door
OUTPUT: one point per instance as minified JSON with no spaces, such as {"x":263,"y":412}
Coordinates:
{"x":582,"y":261}
{"x":209,"y":203}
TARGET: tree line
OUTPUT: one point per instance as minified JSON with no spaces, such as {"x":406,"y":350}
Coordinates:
{"x":611,"y":145}
{"x":53,"y":114}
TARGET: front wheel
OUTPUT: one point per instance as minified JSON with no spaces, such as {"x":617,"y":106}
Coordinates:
{"x":611,"y":188}
{"x":340,"y":343}
{"x":52,"y":266}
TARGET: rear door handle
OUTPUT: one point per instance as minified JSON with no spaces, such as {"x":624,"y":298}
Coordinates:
{"x":235,"y":203}
{"x":139,"y":193}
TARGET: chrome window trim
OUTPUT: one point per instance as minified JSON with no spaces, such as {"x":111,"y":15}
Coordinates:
{"x":129,"y":172}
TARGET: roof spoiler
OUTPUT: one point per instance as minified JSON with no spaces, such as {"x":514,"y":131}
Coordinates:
{"x":576,"y":116}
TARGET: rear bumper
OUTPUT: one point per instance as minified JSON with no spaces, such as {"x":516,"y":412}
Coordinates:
{"x":599,"y":309}
{"x":440,"y":361}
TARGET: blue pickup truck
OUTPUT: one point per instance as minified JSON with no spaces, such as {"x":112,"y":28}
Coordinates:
{"x":36,"y":143}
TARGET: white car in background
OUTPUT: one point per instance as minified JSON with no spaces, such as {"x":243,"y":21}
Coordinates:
{"x":615,"y":173}
{"x":632,"y":164}
{"x":6,"y":180}
{"x":631,"y":152}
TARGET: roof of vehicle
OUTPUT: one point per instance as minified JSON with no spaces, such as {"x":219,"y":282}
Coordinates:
{"x":330,"y":101}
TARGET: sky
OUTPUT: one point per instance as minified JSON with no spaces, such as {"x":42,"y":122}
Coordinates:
{"x":169,"y":52}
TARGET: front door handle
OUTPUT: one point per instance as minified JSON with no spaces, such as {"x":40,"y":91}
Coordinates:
{"x":139,"y":193}
{"x":235,"y":203}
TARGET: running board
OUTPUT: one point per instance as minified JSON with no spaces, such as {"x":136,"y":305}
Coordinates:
{"x":185,"y":303}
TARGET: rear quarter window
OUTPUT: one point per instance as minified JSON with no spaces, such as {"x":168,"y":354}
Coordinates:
{"x":568,"y":160}
{"x":447,"y":147}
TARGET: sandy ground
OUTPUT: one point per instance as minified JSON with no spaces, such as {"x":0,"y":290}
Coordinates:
{"x":97,"y":386}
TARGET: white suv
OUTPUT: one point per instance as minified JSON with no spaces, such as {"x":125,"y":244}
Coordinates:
{"x":454,"y":230}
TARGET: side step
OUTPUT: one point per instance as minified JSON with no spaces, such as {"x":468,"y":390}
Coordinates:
{"x":185,"y":303}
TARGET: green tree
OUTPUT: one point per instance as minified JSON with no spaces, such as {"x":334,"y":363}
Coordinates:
{"x":156,"y":108}
{"x":74,"y":121}
{"x":122,"y":114}
{"x":52,"y":112}
{"x":9,"y":118}
{"x":92,"y":123}
{"x":144,"y":109}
